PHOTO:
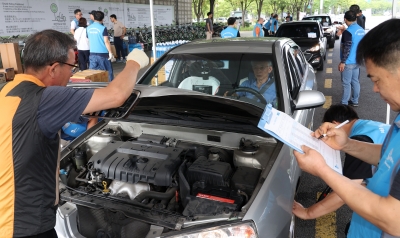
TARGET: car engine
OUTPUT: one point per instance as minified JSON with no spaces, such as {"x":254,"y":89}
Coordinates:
{"x":123,"y":185}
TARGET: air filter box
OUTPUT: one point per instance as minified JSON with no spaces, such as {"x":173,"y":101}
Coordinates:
{"x":213,"y":173}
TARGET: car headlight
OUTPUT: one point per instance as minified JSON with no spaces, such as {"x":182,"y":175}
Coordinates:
{"x":314,"y":48}
{"x":238,"y":230}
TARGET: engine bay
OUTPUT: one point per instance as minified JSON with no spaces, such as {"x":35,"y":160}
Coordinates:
{"x":118,"y":179}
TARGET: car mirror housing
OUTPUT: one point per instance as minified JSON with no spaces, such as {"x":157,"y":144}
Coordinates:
{"x":309,"y":99}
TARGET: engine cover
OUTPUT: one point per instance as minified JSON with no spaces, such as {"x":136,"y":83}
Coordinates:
{"x":135,"y":161}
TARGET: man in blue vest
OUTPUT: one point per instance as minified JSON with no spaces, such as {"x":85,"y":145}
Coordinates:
{"x":91,"y":20}
{"x":348,"y":67}
{"x":274,"y":25}
{"x":75,"y":21}
{"x":376,"y":205}
{"x":100,"y":47}
{"x":257,"y":30}
{"x":267,"y":25}
{"x":230,"y":31}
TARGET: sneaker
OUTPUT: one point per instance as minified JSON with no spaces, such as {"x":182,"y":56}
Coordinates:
{"x":118,"y":61}
{"x":353,"y":104}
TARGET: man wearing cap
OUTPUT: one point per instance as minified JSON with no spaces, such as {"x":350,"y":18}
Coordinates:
{"x":75,"y":21}
{"x":230,"y":31}
{"x":119,"y":33}
{"x":91,"y":17}
{"x":100,"y":47}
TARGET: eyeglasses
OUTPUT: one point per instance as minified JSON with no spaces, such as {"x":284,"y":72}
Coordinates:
{"x":74,"y":69}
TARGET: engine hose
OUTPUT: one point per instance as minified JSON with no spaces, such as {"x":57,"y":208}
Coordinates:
{"x":156,"y":195}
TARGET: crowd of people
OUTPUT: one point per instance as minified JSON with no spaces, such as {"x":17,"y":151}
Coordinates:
{"x":94,"y":49}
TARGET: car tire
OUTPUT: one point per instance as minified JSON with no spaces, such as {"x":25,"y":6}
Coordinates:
{"x":321,"y":67}
{"x":332,"y":43}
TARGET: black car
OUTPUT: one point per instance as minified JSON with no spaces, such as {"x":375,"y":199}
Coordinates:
{"x":329,"y":28}
{"x":309,"y":36}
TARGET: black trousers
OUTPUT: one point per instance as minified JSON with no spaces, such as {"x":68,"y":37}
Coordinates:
{"x":119,"y":47}
{"x":83,"y":57}
{"x":48,"y":234}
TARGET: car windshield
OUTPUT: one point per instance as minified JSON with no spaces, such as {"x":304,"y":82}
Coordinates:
{"x":324,"y":20}
{"x":297,"y":30}
{"x":245,"y":77}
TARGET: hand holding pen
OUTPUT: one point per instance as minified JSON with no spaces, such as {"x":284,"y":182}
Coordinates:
{"x":338,"y":126}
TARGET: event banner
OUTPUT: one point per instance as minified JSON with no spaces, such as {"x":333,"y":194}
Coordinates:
{"x":23,"y":17}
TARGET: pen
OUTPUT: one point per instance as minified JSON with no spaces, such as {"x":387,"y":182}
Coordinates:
{"x":338,"y":126}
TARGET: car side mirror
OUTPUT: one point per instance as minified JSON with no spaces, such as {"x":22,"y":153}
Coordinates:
{"x":309,"y":99}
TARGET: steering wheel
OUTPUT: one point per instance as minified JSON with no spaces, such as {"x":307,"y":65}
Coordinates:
{"x":248,"y":90}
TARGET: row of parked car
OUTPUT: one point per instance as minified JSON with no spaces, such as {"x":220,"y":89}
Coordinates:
{"x":184,"y":157}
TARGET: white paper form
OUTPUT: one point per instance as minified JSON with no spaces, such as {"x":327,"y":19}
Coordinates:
{"x":286,"y":129}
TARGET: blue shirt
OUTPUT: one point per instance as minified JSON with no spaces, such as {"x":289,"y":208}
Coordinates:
{"x":274,"y":22}
{"x":268,"y":24}
{"x":95,"y":34}
{"x":258,"y":25}
{"x":229,"y":32}
{"x":381,"y":182}
{"x":251,"y":82}
{"x":375,"y":130}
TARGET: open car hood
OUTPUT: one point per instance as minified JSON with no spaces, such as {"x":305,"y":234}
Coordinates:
{"x":161,"y":99}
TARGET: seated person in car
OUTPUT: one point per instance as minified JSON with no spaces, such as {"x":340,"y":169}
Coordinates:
{"x":260,"y":80}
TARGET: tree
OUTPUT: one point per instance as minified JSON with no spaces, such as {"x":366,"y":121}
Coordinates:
{"x":244,"y":5}
{"x":198,"y":8}
{"x":259,"y":4}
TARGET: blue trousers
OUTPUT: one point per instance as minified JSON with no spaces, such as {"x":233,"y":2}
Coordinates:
{"x":350,"y":83}
{"x":101,"y":63}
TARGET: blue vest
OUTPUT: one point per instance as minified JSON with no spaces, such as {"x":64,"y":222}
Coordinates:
{"x":268,"y":24}
{"x":357,"y":33}
{"x":375,"y":130}
{"x":258,"y":25}
{"x":76,"y":23}
{"x":229,"y":32}
{"x":96,"y":38}
{"x":271,"y":27}
{"x":380,"y":182}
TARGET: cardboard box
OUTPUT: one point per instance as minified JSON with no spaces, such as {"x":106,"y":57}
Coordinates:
{"x":10,"y":57}
{"x":160,"y":74}
{"x":92,"y":75}
{"x":8,"y":73}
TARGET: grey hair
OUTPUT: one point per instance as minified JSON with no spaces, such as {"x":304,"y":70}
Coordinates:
{"x":46,"y":47}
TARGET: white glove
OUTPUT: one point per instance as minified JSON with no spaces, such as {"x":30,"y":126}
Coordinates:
{"x":139,"y":57}
{"x":110,"y":56}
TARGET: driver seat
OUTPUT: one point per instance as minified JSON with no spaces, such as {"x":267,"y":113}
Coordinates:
{"x":200,"y":80}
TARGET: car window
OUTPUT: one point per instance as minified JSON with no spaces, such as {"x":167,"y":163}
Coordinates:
{"x":299,"y":30}
{"x":245,"y":77}
{"x":292,"y":70}
{"x":324,"y":20}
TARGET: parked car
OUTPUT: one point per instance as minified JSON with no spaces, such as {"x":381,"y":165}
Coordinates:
{"x":222,"y":20}
{"x":337,"y":24}
{"x":309,"y":36}
{"x":184,"y":159}
{"x":329,"y":28}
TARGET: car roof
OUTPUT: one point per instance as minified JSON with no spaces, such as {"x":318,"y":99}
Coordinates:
{"x":303,"y":22}
{"x":230,"y":45}
{"x":318,"y":15}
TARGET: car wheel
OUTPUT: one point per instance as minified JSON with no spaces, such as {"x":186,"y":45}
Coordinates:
{"x":321,"y":67}
{"x":332,"y":43}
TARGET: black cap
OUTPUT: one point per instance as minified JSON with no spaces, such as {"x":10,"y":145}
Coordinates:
{"x":92,"y":12}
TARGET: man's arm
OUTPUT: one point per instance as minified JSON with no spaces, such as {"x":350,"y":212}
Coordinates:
{"x":331,"y":203}
{"x":384,"y":212}
{"x":118,"y":90}
{"x":338,"y":140}
{"x":347,"y":42}
{"x":257,"y":31}
{"x":275,"y":26}
{"x":108,"y":44}
{"x":208,"y":25}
